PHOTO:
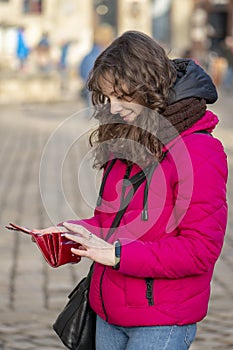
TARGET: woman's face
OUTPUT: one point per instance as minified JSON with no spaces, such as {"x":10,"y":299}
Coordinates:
{"x":127,"y":107}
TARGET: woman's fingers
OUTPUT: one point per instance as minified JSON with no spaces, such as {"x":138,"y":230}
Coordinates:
{"x":92,"y":246}
{"x":82,"y":231}
{"x":83,"y":236}
{"x":75,"y":238}
{"x":50,"y":230}
{"x":81,"y":252}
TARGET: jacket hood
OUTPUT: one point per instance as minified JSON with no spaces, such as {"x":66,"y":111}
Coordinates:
{"x":192,"y":81}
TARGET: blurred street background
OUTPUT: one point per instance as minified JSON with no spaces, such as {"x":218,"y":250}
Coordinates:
{"x":47,"y":48}
{"x":43,"y":42}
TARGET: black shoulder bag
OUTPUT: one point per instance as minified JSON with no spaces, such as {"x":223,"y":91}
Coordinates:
{"x":75,"y":325}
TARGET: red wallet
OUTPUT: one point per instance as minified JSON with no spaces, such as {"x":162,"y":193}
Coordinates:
{"x":55,"y":247}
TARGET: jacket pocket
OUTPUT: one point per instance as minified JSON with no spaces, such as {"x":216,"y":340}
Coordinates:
{"x":136,"y":292}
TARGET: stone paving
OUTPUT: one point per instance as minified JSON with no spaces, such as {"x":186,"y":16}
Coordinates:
{"x":31,"y":292}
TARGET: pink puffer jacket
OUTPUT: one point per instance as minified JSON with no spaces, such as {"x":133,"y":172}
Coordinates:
{"x":167,"y":261}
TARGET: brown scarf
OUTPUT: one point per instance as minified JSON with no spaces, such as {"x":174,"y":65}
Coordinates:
{"x":180,"y":116}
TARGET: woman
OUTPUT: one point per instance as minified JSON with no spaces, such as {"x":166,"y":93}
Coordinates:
{"x":166,"y":173}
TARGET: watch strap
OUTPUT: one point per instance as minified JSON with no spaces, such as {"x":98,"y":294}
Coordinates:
{"x":117,"y":246}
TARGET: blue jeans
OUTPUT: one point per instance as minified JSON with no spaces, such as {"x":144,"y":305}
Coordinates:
{"x":109,"y":337}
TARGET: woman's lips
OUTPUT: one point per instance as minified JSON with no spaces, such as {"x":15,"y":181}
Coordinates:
{"x":125,"y":117}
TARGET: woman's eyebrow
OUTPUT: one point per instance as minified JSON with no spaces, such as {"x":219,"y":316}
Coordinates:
{"x":109,"y":93}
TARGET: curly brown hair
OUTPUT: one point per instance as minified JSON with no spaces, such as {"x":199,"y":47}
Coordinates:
{"x":138,"y":68}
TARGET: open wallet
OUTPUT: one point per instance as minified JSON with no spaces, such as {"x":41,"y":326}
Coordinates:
{"x":55,"y":247}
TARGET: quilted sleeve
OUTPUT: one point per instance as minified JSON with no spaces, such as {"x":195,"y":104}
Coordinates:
{"x":200,"y":225}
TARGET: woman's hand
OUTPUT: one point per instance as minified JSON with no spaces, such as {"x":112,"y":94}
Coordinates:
{"x":92,"y":246}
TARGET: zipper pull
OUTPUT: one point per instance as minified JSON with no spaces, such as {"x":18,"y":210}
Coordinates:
{"x":145,"y":215}
{"x":149,"y":291}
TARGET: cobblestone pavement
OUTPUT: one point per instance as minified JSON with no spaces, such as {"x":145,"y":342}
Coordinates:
{"x":31,"y":292}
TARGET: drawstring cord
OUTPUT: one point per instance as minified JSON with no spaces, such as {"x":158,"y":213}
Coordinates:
{"x":145,"y":215}
{"x":109,"y":168}
{"x":135,"y":180}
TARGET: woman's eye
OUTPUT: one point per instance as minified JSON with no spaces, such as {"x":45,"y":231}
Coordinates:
{"x":120,"y":97}
{"x":106,"y":99}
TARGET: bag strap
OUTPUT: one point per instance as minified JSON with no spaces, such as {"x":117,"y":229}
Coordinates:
{"x":125,"y":202}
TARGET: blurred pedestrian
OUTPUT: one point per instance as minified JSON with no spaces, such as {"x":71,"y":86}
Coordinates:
{"x":159,"y":224}
{"x":227,"y":51}
{"x":64,"y":50}
{"x":22,"y":49}
{"x":63,"y":63}
{"x":189,"y":53}
{"x":43,"y":53}
{"x":103,"y":35}
{"x":216,"y":67}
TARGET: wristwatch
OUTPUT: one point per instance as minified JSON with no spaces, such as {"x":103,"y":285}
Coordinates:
{"x":117,"y":245}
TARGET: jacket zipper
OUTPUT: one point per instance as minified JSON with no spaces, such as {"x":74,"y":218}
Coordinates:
{"x":101,"y":295}
{"x":149,"y":291}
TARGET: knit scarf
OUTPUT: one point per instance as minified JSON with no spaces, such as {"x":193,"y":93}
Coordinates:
{"x":179,"y":117}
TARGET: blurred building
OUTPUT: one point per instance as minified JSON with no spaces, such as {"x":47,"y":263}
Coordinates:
{"x":212,"y":22}
{"x":176,"y":23}
{"x":190,"y":27}
{"x":62,"y":20}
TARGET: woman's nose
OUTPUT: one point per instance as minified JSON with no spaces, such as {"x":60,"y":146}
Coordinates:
{"x":116,"y":106}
